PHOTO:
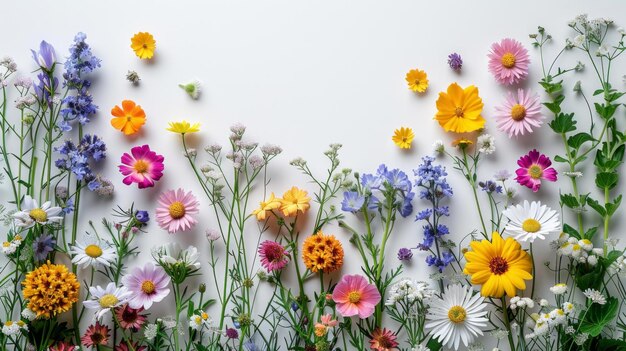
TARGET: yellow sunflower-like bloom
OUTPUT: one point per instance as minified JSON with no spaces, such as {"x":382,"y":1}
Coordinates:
{"x":417,"y":80}
{"x":50,"y":289}
{"x":294,"y":200}
{"x":459,"y":110}
{"x":266,"y":207}
{"x":403,"y":137}
{"x":499,"y":265}
{"x":183,"y":127}
{"x":143,"y":44}
{"x":322,"y":252}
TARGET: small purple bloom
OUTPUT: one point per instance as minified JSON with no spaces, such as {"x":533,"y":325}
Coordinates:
{"x":42,"y":246}
{"x":142,"y":216}
{"x":232,"y":333}
{"x":45,"y":57}
{"x":455,"y":61}
{"x":352,"y":201}
{"x":405,"y":254}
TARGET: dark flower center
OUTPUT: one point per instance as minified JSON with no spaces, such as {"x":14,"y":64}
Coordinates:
{"x":498,"y":265}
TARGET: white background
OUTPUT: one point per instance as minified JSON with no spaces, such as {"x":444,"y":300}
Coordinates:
{"x":300,"y":74}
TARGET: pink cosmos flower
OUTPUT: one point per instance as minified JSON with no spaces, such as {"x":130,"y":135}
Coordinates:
{"x":148,"y":284}
{"x":273,"y":255}
{"x":176,"y":209}
{"x":508,"y":61}
{"x":355,"y":296}
{"x":533,"y":168}
{"x":143,"y":167}
{"x":519,"y":113}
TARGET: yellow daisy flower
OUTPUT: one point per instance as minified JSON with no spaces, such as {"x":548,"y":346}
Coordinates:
{"x":403,"y":137}
{"x":294,"y":200}
{"x":266,"y":207}
{"x":183,"y":127}
{"x":499,"y":265}
{"x":143,"y":44}
{"x":459,"y":109}
{"x":418,"y":80}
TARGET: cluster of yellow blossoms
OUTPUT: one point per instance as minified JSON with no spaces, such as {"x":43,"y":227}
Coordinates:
{"x":50,"y":289}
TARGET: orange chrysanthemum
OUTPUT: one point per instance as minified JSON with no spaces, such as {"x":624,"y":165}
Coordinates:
{"x":322,"y":252}
{"x":129,"y":118}
{"x":50,"y":289}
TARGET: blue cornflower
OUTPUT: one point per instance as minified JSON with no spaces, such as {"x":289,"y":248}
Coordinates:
{"x":142,"y":216}
{"x":352,"y":201}
{"x":42,"y":246}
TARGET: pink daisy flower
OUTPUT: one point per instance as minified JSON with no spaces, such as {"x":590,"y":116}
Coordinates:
{"x":175,"y":210}
{"x":519,"y":113}
{"x":273,"y":255}
{"x":509,"y":61}
{"x":355,"y":296}
{"x":143,"y":167}
{"x":533,"y":168}
{"x":148,"y":285}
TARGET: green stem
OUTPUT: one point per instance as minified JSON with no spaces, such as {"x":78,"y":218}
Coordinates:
{"x":507,"y":323}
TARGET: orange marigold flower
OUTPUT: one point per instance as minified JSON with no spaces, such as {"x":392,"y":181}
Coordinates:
{"x":129,"y":118}
{"x":322,"y":252}
{"x":294,"y":200}
{"x":50,"y":289}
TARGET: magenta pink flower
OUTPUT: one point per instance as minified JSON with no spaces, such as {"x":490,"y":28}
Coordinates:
{"x":148,"y":285}
{"x":509,"y":61}
{"x":273,"y":255}
{"x":143,"y":167}
{"x":533,"y":168}
{"x":355,"y":296}
{"x":176,"y":209}
{"x":519,"y":113}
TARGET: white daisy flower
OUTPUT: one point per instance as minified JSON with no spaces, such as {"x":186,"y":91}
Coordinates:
{"x":531,"y":220}
{"x":172,"y":254}
{"x":559,"y":289}
{"x":486,"y":144}
{"x":595,"y":296}
{"x":103,"y":300}
{"x":558,"y":316}
{"x":92,"y":255}
{"x":197,"y":321}
{"x":459,"y":315}
{"x":10,"y":328}
{"x":193,"y":88}
{"x":8,"y":248}
{"x":31,"y":213}
{"x":568,"y":308}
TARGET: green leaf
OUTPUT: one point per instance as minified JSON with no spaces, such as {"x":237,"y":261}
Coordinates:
{"x":606,"y":180}
{"x":563,"y":123}
{"x":558,"y":158}
{"x":596,"y":206}
{"x":598,"y":316}
{"x":433,"y":345}
{"x":589,"y":277}
{"x":610,"y":345}
{"x":611,"y":207}
{"x":569,"y":200}
{"x":569,"y":230}
{"x":577,"y":140}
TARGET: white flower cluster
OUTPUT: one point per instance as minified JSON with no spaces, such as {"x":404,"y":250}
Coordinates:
{"x":521,"y":302}
{"x":409,"y":290}
{"x":200,"y":320}
{"x":595,"y":296}
{"x":12,"y":328}
{"x":618,"y":266}
{"x":9,"y":247}
{"x":559,"y":289}
{"x":580,"y":250}
{"x":547,"y":320}
{"x":486,"y":144}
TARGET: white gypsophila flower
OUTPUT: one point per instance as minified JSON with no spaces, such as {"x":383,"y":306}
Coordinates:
{"x":603,"y":50}
{"x":407,"y":289}
{"x":573,"y":174}
{"x":595,"y":296}
{"x":621,"y":31}
{"x":579,"y":40}
{"x":530,"y":221}
{"x":543,"y":302}
{"x":559,"y":289}
{"x":193,"y":88}
{"x":238,"y":128}
{"x":476,"y":347}
{"x":256,"y":162}
{"x":103,"y":300}
{"x":458,"y":315}
{"x":581,"y":338}
{"x":270,"y":149}
{"x":499,"y":334}
{"x":10,"y":328}
{"x":213,"y":148}
{"x":502,"y":175}
{"x":212,"y":234}
{"x":150,"y":331}
{"x":31,"y":213}
{"x":439,"y":147}
{"x":92,"y":255}
{"x":29,"y":314}
{"x":486,"y":144}
{"x":592,"y":260}
{"x":169,"y":322}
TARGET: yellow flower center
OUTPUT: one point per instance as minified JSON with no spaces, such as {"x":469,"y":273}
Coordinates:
{"x":498,"y":265}
{"x":417,"y":82}
{"x":508,"y":60}
{"x":531,"y":225}
{"x":8,"y":323}
{"x":93,"y":251}
{"x":177,"y":210}
{"x":518,"y":112}
{"x":108,"y":301}
{"x":459,"y":112}
{"x":354,"y":296}
{"x":535,"y":171}
{"x":198,"y":320}
{"x":38,"y":215}
{"x":457,"y":314}
{"x":148,"y":287}
{"x":141,"y":166}
{"x":205,"y":316}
